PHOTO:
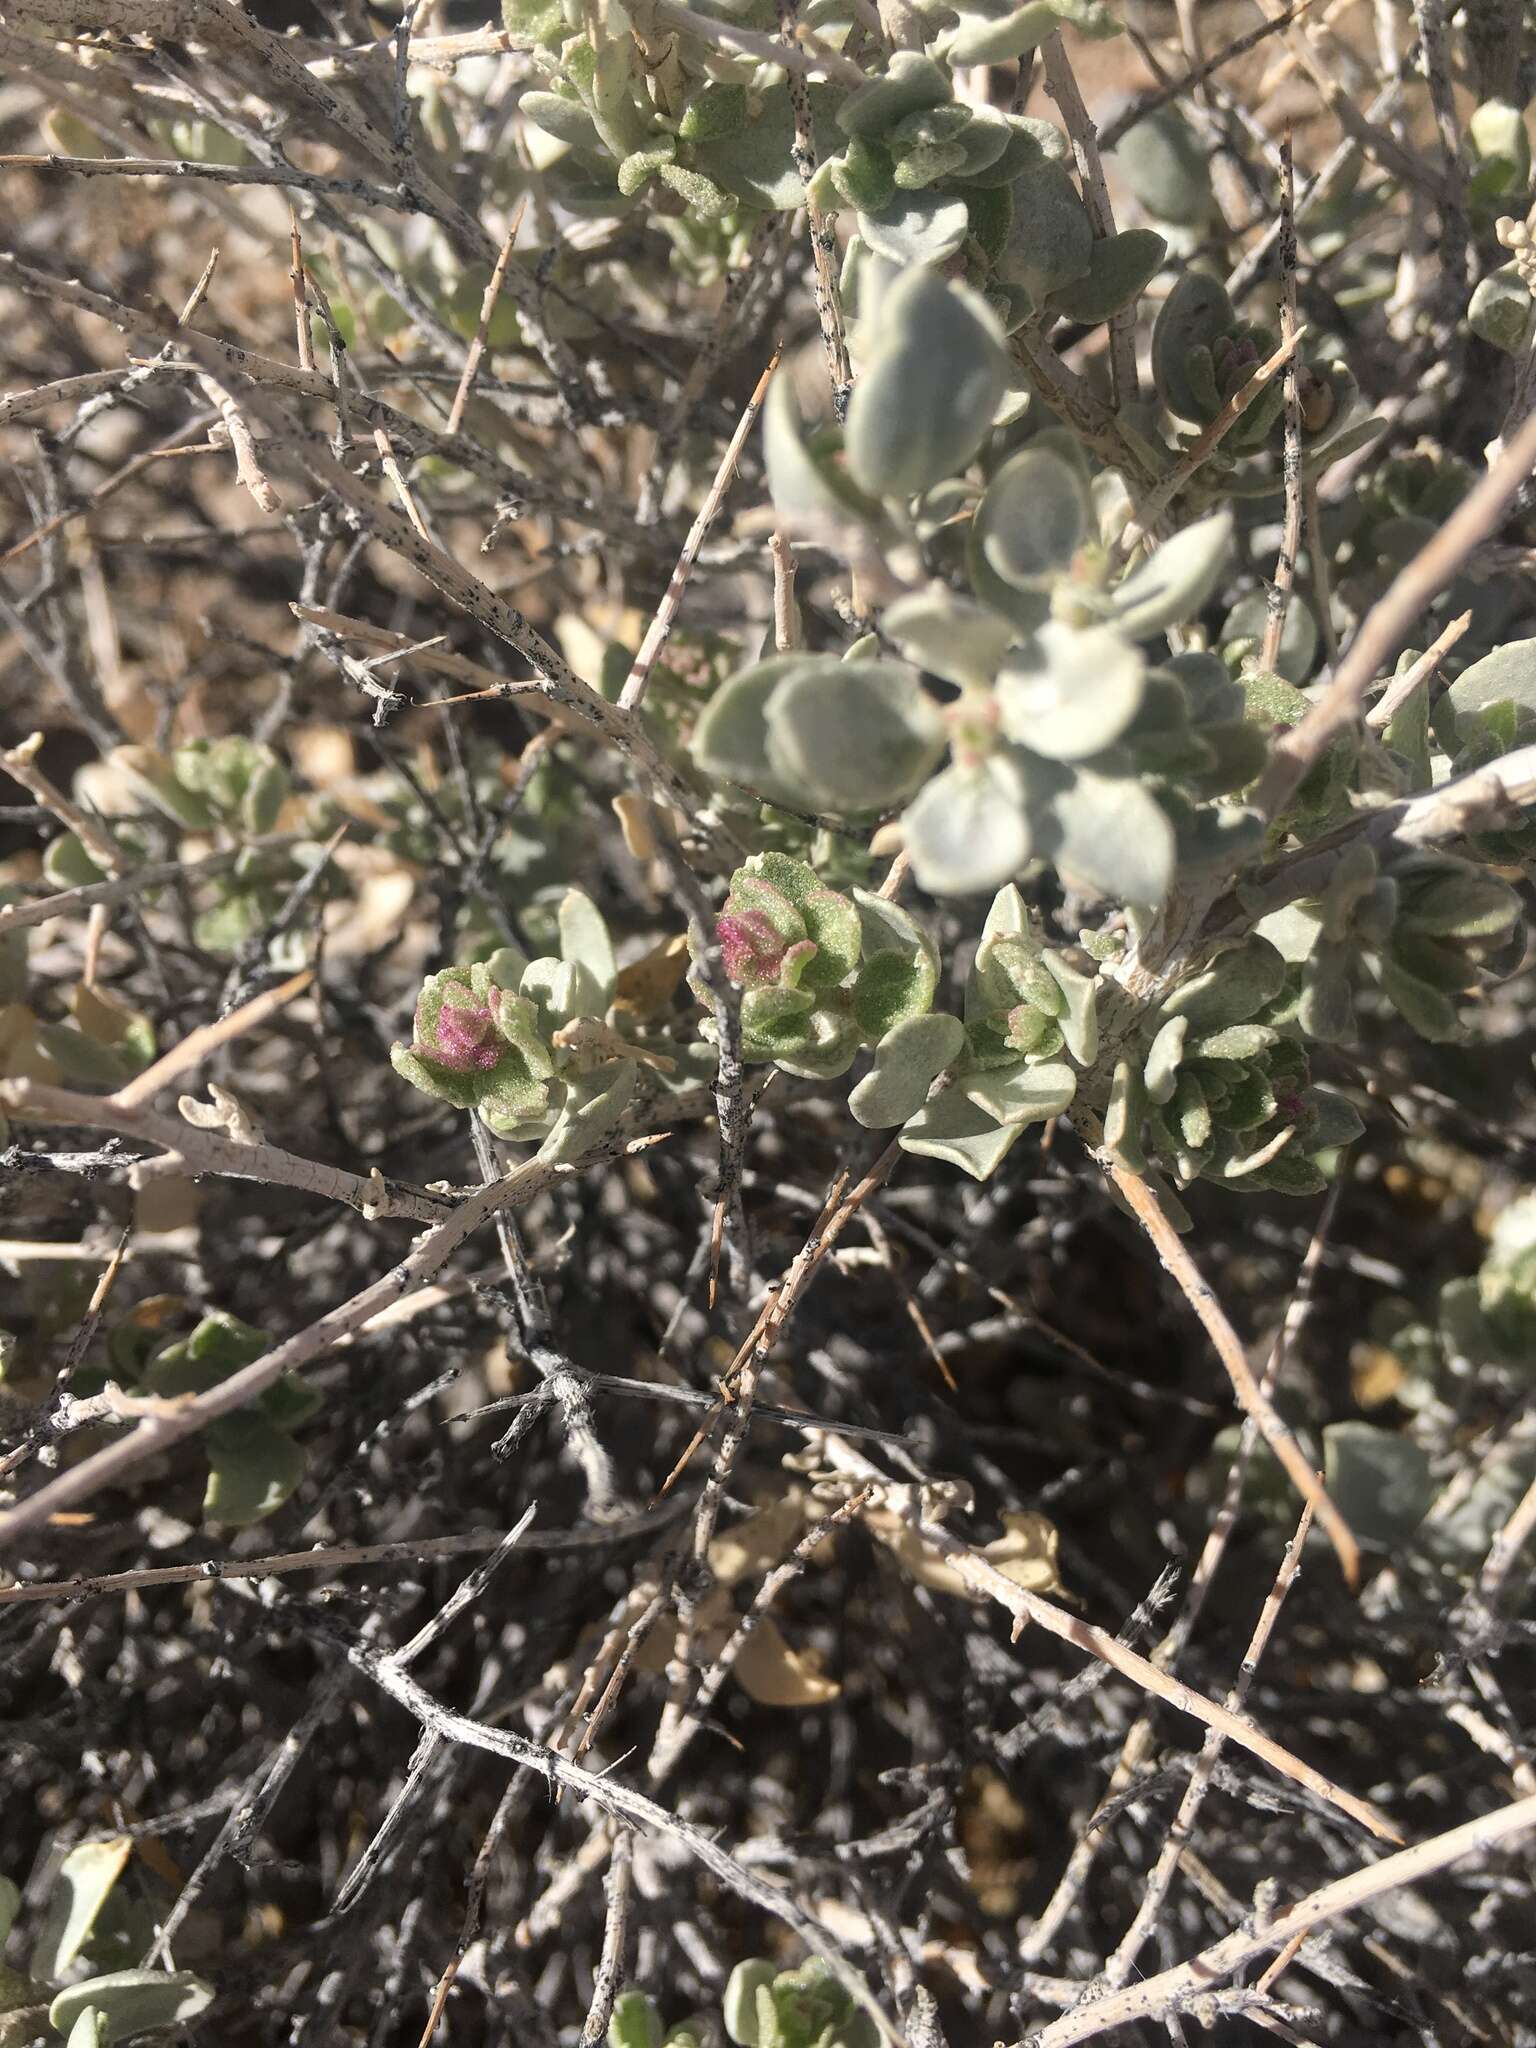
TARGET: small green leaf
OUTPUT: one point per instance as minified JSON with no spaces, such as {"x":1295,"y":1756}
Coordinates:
{"x":908,"y":1060}
{"x":1233,"y":1042}
{"x":1453,"y":899}
{"x":564,"y":119}
{"x":134,"y":2001}
{"x":67,"y":865}
{"x":1161,"y":1073}
{"x":756,"y":161}
{"x":911,"y":81}
{"x":252,"y":1469}
{"x":1428,"y":1009}
{"x":967,"y":830}
{"x":1050,"y":244}
{"x":730,"y":741}
{"x":984,"y":37}
{"x":853,"y":736}
{"x":1196,"y":313}
{"x":585,"y":943}
{"x":635,"y":2022}
{"x":896,"y":982}
{"x":713,"y":110}
{"x":1124,"y":1116}
{"x":813,"y":497}
{"x":89,"y":2029}
{"x":925,"y":399}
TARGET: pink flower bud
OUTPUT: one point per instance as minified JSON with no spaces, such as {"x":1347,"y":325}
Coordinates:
{"x":752,"y":949}
{"x":464,"y":1041}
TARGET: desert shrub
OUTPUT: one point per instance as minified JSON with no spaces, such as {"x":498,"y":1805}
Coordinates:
{"x":703,"y":753}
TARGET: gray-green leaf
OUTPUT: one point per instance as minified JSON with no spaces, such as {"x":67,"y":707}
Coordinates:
{"x":853,"y":736}
{"x":926,"y":397}
{"x":1072,"y":692}
{"x":955,"y":1129}
{"x":1115,"y":836}
{"x":1032,"y":518}
{"x":968,"y":829}
{"x":908,"y":1060}
{"x":133,"y":2001}
{"x":1173,"y":584}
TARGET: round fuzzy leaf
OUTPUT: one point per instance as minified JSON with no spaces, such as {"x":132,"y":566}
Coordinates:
{"x":917,"y":227}
{"x":893,"y":988}
{"x":830,"y":919}
{"x":1025,"y":610}
{"x":939,"y":631}
{"x":828,"y":1047}
{"x":911,"y":82}
{"x":1051,"y":242}
{"x":908,"y":1060}
{"x":1075,"y":696}
{"x":1032,"y":518}
{"x":925,"y":400}
{"x":1167,"y":166}
{"x":1078,"y":1012}
{"x":953,"y":1128}
{"x":1378,"y":1479}
{"x":967,"y":830}
{"x":567,"y":120}
{"x":1173,"y":584}
{"x":1298,"y":636}
{"x":1120,"y":268}
{"x":1116,"y":837}
{"x":854,"y":736}
{"x":730,"y":741}
{"x":133,"y":2001}
{"x":756,"y":161}
{"x":1507,"y":675}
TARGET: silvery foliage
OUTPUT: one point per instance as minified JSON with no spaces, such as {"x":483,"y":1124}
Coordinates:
{"x":1034,"y":690}
{"x":87,"y":1920}
{"x":763,"y":2007}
